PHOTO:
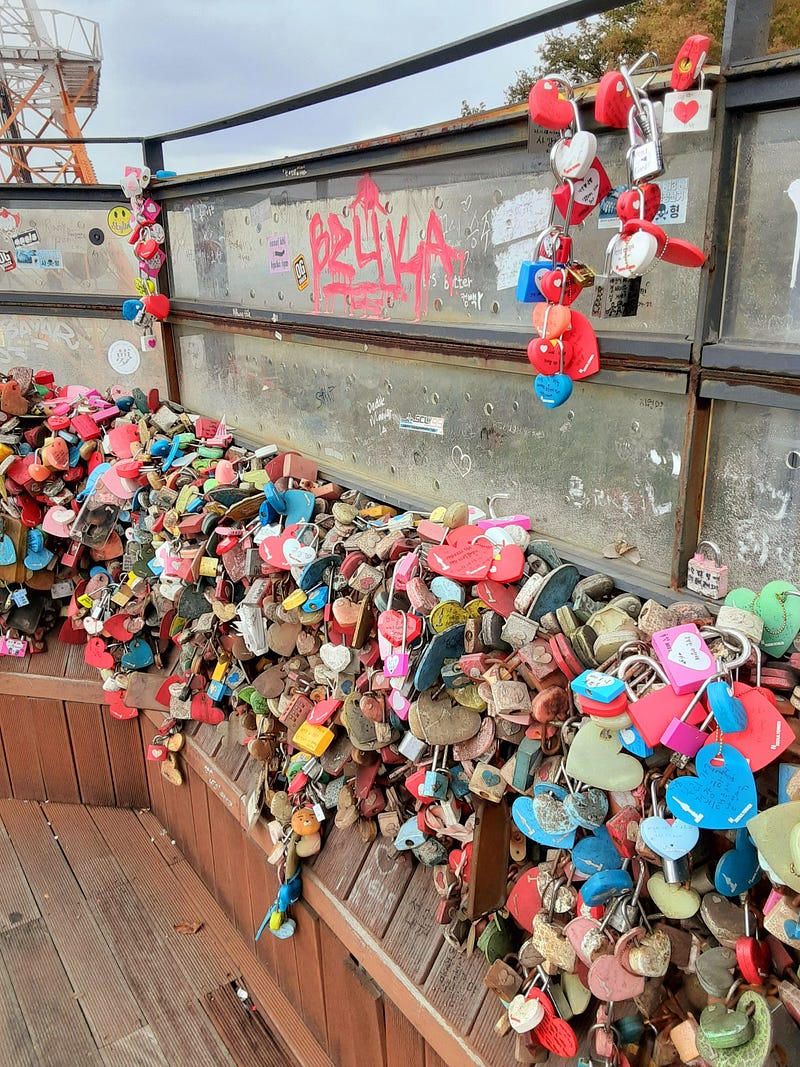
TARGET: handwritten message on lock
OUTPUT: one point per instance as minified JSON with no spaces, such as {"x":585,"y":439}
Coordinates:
{"x":685,"y":657}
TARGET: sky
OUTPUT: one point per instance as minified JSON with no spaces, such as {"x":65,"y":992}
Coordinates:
{"x":171,"y":63}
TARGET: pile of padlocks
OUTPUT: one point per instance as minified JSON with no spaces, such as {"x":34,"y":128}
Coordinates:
{"x":565,"y":347}
{"x":396,"y":671}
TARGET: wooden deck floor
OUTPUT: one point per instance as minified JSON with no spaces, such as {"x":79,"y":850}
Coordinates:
{"x":97,"y":967}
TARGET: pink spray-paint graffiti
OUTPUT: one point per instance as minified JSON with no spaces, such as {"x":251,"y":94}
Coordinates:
{"x":377,"y":278}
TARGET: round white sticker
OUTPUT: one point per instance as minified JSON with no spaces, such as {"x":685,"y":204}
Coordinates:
{"x":124,"y":357}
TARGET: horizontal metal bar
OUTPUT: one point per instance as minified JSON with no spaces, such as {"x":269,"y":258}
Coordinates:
{"x":60,"y":196}
{"x":50,"y":141}
{"x":102,"y":307}
{"x":476,"y":44}
{"x":750,"y":392}
{"x":658,"y":350}
{"x":770,"y":89}
{"x":727,"y":356}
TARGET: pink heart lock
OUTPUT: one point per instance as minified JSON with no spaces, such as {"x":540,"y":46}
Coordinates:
{"x":124,"y":488}
{"x":57,"y":521}
{"x":224,"y":472}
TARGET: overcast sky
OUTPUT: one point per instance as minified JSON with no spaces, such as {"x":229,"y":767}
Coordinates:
{"x":171,"y":63}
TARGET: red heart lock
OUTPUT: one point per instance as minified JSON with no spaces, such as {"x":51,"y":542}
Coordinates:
{"x":461,"y":858}
{"x":623,"y":831}
{"x":58,"y":422}
{"x":629,"y":201}
{"x":588,"y":194}
{"x":689,"y":60}
{"x":496,"y":597}
{"x":72,"y":635}
{"x":463,"y":535}
{"x":122,"y":438}
{"x":156,"y":753}
{"x":581,"y":349}
{"x":146,"y":249}
{"x":39,"y":473}
{"x":553,"y":1033}
{"x":525,"y":900}
{"x":163,"y":696}
{"x":545,"y":356}
{"x":462,"y":562}
{"x":767,"y":734}
{"x":12,"y":402}
{"x":549,"y":105}
{"x":271,"y":551}
{"x":30,"y":512}
{"x":18,"y":471}
{"x":156,"y":305}
{"x":56,"y":455}
{"x":413,"y":784}
{"x":638,"y":225}
{"x":116,"y":628}
{"x":96,"y":655}
{"x":754,"y":959}
{"x":508,"y":564}
{"x":205,"y":710}
{"x":559,"y":287}
{"x":399,"y":628}
{"x":117,"y":706}
{"x":551,"y":320}
{"x":323,"y":711}
{"x":613,"y":102}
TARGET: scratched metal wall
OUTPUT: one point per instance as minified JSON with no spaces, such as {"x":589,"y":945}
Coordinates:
{"x":475,"y":215}
{"x":604,"y":466}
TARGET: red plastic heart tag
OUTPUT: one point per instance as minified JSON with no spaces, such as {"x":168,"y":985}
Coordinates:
{"x":548,"y":104}
{"x":613,"y":101}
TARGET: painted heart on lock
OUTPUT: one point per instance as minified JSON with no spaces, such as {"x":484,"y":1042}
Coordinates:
{"x":589,"y":192}
{"x":551,"y":320}
{"x":398,"y":627}
{"x":633,"y":253}
{"x":524,"y":1014}
{"x":613,"y":101}
{"x":559,"y":287}
{"x":545,"y":356}
{"x":464,"y":563}
{"x":628,"y":203}
{"x":581,"y":349}
{"x":163,"y":695}
{"x":722,"y":796}
{"x":297,"y":554}
{"x":553,"y":389}
{"x":572,"y":156}
{"x":507,"y":565}
{"x":549,"y":106}
{"x":780,"y":613}
{"x":670,"y":839}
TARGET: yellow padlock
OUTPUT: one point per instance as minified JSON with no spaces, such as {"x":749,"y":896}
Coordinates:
{"x":85,"y":601}
{"x":208,"y":567}
{"x":312,"y":739}
{"x":294,"y":600}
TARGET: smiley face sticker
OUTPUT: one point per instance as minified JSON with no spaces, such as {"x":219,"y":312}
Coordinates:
{"x":119,"y":220}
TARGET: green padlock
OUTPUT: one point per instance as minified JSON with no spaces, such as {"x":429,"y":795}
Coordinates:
{"x":752,"y":1053}
{"x":496,"y":941}
{"x":725,"y":1027}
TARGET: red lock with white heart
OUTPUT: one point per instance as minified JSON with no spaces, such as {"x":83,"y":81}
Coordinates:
{"x":586,"y":196}
{"x":156,"y":753}
{"x":550,"y":104}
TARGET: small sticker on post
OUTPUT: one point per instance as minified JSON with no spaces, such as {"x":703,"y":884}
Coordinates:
{"x":123,"y":357}
{"x":300,"y":273}
{"x":423,"y":423}
{"x":278,"y":252}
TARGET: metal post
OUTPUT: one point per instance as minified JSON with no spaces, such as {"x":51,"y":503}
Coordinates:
{"x":746,"y":33}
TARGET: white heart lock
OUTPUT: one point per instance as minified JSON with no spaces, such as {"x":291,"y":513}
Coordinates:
{"x":93,"y":626}
{"x":296,"y":553}
{"x":524,"y":1015}
{"x":633,"y":253}
{"x":573,"y":157}
{"x":336,"y":657}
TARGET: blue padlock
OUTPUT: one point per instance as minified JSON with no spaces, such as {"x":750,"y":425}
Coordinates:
{"x":317,"y":599}
{"x":596,"y":685}
{"x":459,"y":781}
{"x":528,"y":291}
{"x":130,"y":309}
{"x":217,"y":690}
{"x":409,"y":835}
{"x":604,"y":886}
{"x":436,"y":782}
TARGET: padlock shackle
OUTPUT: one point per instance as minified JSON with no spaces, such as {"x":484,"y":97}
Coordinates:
{"x":714,"y":548}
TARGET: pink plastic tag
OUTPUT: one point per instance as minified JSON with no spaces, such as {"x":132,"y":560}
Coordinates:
{"x":396,"y":665}
{"x":685,"y":657}
{"x":505,"y":520}
{"x":11,"y":647}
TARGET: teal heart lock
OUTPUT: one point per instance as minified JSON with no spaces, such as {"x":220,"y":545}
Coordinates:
{"x":299,"y":506}
{"x":597,"y":852}
{"x":8,"y":553}
{"x":37,"y":556}
{"x":738,"y":870}
{"x":137,"y":655}
{"x":553,"y":389}
{"x":543,"y":818}
{"x":722,"y":797}
{"x":778,"y":606}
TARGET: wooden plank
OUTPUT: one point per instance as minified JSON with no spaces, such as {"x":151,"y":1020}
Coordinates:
{"x":340,"y":861}
{"x":223,"y":873}
{"x":178,"y":809}
{"x":49,"y":721}
{"x":59,"y":1032}
{"x":433,"y":1059}
{"x":241,"y":892}
{"x":355,"y":1016}
{"x":126,"y":756}
{"x":404,"y":1044}
{"x":202,"y":828}
{"x":160,"y":836}
{"x":380,"y":885}
{"x":5,"y":781}
{"x":78,"y":668}
{"x":16,"y":1047}
{"x":488,"y":883}
{"x":455,"y":986}
{"x":98,"y":984}
{"x":22,"y":753}
{"x":17,"y":902}
{"x":155,"y":782}
{"x":232,"y":755}
{"x":89,"y":856}
{"x":245,"y":1033}
{"x":495,"y":1051}
{"x":91,"y":753}
{"x":414,"y":938}
{"x":167,"y":1000}
{"x":51,"y":688}
{"x":136,"y":1050}
{"x":165,"y":901}
{"x":308,"y":954}
{"x":52,"y":662}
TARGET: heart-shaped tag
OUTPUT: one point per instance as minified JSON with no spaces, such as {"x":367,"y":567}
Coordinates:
{"x":93,"y":626}
{"x":738,"y":870}
{"x":670,"y":839}
{"x":682,"y":253}
{"x":508,"y":565}
{"x":56,"y":455}
{"x":543,"y":818}
{"x":57,"y":521}
{"x":633,"y":253}
{"x":572,"y":157}
{"x":596,"y":758}
{"x":205,"y":710}
{"x":464,"y":563}
{"x":549,"y":105}
{"x":581,"y":350}
{"x":525,"y":900}
{"x":613,"y":101}
{"x":337,"y":658}
{"x":610,"y":981}
{"x":779,"y":612}
{"x":596,"y":852}
{"x":588,"y":193}
{"x":8,"y":553}
{"x":545,"y":356}
{"x":524,"y":1014}
{"x":722,"y":797}
{"x":96,"y":654}
{"x":163,"y":695}
{"x":117,"y":707}
{"x":396,"y":665}
{"x":399,"y":704}
{"x":397,"y":632}
{"x":553,"y":390}
{"x":137,"y":655}
{"x":297,"y":554}
{"x":116,"y":627}
{"x":551,"y":320}
{"x":554,"y":1034}
{"x":271,"y":551}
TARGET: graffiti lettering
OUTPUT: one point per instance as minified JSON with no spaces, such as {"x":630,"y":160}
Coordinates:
{"x":18,"y":334}
{"x":378,"y":254}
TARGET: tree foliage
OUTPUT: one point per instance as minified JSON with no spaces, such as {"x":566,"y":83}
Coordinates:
{"x":584,"y":51}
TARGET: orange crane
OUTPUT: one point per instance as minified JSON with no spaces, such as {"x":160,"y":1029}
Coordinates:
{"x":49,"y":73}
